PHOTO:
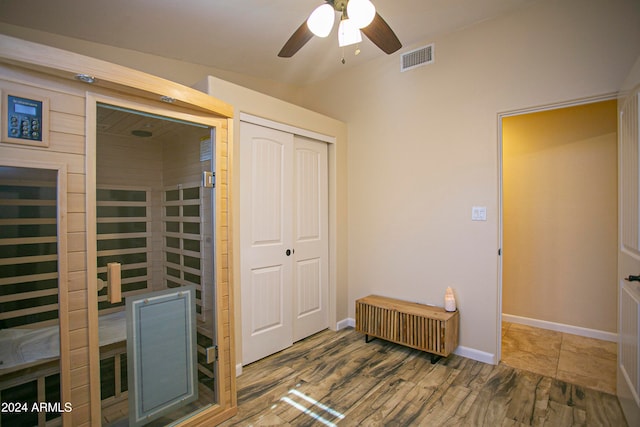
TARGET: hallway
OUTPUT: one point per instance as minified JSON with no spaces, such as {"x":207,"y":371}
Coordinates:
{"x":583,"y":361}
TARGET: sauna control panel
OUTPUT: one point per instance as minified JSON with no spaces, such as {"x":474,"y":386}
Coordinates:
{"x":25,"y":119}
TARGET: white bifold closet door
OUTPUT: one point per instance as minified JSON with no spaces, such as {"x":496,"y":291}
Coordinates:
{"x":283,"y":239}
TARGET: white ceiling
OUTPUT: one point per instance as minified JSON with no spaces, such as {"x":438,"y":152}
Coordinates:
{"x":242,"y":36}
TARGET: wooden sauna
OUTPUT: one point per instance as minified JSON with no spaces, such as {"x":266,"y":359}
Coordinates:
{"x":128,"y":171}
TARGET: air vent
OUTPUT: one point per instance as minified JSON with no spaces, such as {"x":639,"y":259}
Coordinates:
{"x":416,"y":58}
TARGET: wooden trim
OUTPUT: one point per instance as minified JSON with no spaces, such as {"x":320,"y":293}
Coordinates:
{"x":110,"y":220}
{"x":63,"y":300}
{"x":91,"y":121}
{"x":119,"y":236}
{"x":230,"y":251}
{"x":28,"y":259}
{"x":224,"y":364}
{"x":67,"y":64}
{"x":28,"y":311}
{"x":28,"y":295}
{"x":28,"y":240}
{"x":27,"y":221}
{"x":122,"y":252}
{"x":220,"y":278}
{"x":29,"y":278}
{"x":128,"y":204}
{"x":62,"y":275}
{"x":27,"y":202}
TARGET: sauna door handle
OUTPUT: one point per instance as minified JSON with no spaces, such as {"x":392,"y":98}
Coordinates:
{"x":632,"y":278}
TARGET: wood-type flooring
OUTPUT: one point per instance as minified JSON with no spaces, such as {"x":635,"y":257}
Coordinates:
{"x":335,"y":378}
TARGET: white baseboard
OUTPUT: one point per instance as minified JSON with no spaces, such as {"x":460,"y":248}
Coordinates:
{"x":472,"y":353}
{"x":561,"y":327}
{"x":238,"y":369}
{"x":345,"y":323}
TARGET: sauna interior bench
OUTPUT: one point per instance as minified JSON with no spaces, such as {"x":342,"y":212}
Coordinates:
{"x":423,"y":327}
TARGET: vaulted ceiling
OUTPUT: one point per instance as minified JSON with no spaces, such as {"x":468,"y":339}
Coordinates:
{"x":243,"y":36}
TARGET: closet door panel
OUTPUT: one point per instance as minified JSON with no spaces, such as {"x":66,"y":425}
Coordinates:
{"x":311,"y":238}
{"x":265,"y":235}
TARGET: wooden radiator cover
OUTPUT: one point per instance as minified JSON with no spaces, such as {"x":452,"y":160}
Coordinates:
{"x":419,"y":326}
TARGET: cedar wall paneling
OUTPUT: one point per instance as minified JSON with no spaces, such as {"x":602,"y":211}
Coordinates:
{"x":67,"y":146}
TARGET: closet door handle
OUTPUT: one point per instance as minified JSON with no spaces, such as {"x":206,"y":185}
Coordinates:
{"x":290,"y":251}
{"x":632,"y":278}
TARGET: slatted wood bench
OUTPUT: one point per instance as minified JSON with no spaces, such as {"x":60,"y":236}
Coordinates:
{"x":423,"y":327}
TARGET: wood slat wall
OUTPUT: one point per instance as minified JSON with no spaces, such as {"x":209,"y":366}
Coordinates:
{"x":28,"y":294}
{"x":185,"y":241}
{"x":132,"y":249}
{"x":67,"y":148}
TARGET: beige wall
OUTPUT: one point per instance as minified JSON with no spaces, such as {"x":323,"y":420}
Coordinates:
{"x":257,"y":104}
{"x":423,"y":147}
{"x":560,"y":216}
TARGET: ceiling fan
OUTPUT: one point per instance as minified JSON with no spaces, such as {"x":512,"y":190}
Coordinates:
{"x":355,"y":16}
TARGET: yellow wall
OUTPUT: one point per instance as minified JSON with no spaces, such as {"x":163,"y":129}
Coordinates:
{"x":560,"y":216}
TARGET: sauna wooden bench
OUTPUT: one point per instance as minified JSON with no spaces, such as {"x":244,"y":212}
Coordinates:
{"x":423,"y":327}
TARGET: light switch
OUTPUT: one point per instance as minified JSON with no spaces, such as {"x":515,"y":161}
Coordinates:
{"x":479,"y":213}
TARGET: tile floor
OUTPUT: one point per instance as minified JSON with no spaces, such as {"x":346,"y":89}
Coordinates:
{"x":335,"y":378}
{"x":578,"y":360}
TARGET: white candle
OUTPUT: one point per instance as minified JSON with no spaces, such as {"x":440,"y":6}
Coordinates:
{"x":449,"y":300}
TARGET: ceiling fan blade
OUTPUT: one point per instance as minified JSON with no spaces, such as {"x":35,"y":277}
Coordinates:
{"x":298,"y":39}
{"x":381,"y":34}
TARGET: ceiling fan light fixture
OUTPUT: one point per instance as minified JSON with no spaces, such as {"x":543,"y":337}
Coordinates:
{"x":320,"y":21}
{"x":348,"y":33}
{"x":361,"y":12}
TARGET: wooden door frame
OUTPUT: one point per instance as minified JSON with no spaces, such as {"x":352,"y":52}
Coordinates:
{"x":63,"y":266}
{"x":92,"y":101}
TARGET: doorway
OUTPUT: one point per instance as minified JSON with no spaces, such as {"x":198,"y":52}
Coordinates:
{"x":155,"y":264}
{"x":559,"y":220}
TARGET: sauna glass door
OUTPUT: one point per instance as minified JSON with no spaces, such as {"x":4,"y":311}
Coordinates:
{"x":29,"y":296}
{"x":154,"y":225}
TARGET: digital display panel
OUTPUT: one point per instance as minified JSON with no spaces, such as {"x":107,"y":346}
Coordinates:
{"x":25,"y":109}
{"x":24,"y":121}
